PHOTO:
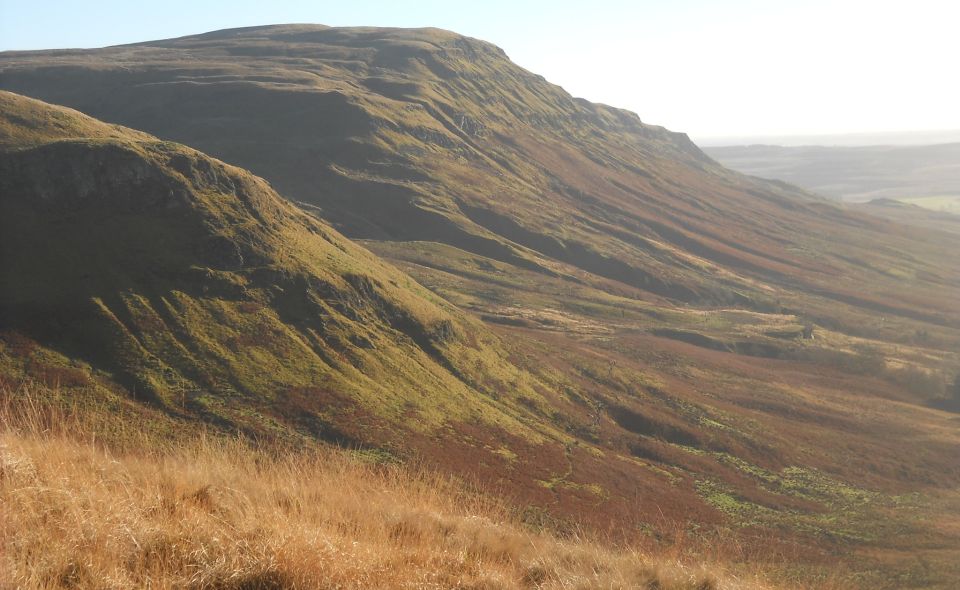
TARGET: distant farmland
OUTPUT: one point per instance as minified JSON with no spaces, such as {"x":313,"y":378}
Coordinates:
{"x":927,"y":175}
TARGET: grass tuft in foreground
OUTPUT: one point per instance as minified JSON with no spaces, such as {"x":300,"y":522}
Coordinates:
{"x":80,"y":512}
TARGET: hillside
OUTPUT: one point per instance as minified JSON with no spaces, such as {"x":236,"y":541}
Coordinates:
{"x":424,"y":135}
{"x":910,"y":213}
{"x":132,"y":264}
{"x":613,"y":331}
{"x":225,"y":513}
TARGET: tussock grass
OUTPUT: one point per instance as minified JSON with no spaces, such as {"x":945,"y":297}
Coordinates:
{"x":217,"y":513}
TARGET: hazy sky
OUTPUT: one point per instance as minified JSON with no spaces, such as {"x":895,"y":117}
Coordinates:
{"x":710,"y":68}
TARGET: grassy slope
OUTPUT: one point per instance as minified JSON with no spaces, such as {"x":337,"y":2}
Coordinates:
{"x":205,"y":512}
{"x":193,"y":286}
{"x":427,"y":135}
{"x":509,"y":198}
{"x":913,"y":214}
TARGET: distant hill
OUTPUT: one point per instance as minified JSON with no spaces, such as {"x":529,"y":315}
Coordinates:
{"x":889,"y":138}
{"x":927,"y":174}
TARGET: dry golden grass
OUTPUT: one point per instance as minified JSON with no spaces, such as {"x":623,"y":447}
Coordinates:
{"x":213,"y":513}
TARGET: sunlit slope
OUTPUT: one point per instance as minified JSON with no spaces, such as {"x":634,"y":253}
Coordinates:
{"x":193,"y":286}
{"x":136,"y":268}
{"x":134,"y":510}
{"x":427,"y":135}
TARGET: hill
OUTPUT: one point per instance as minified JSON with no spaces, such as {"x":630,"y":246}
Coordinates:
{"x":203,"y":512}
{"x":140,"y":266}
{"x":907,"y":212}
{"x":616,"y":332}
{"x":424,"y":135}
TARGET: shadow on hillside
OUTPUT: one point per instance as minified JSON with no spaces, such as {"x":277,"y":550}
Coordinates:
{"x":946,"y":404}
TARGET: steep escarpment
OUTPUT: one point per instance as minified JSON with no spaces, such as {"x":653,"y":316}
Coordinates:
{"x":399,"y":135}
{"x":194,"y":286}
{"x":424,"y":135}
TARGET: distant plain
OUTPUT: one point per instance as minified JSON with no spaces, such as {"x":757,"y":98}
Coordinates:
{"x":924,"y":175}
